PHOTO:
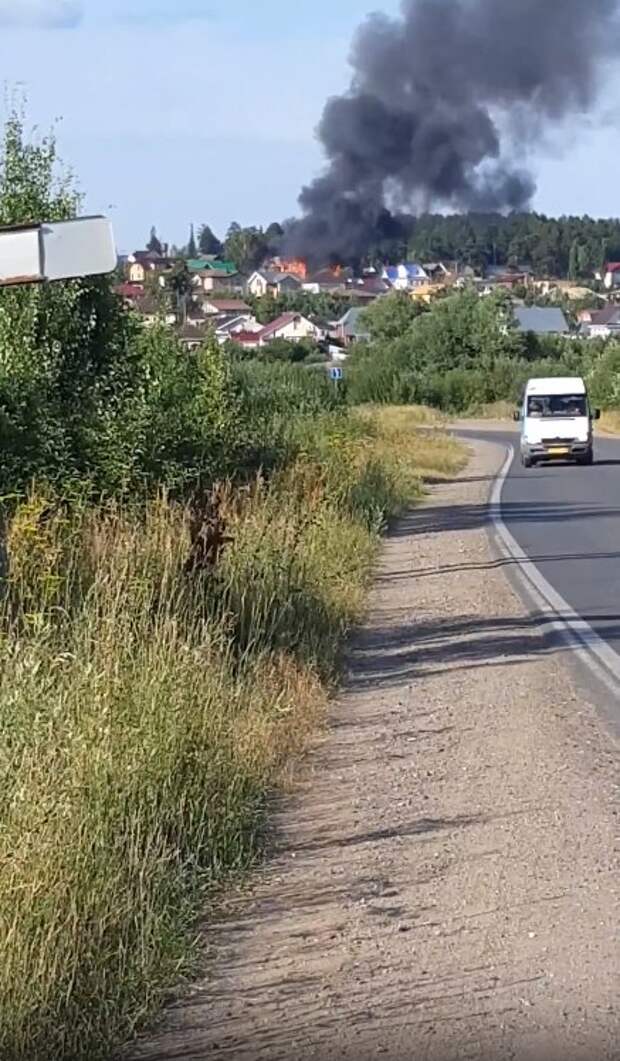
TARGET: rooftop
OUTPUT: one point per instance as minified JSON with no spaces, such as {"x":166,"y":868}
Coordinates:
{"x":227,"y":305}
{"x":190,"y":333}
{"x":541,"y":320}
{"x":281,"y":322}
{"x":246,"y":338}
{"x":210,"y":265}
{"x":608,"y":315}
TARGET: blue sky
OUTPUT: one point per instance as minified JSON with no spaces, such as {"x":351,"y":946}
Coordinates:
{"x":205,"y":110}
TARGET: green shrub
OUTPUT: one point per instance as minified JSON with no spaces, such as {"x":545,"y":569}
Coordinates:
{"x":145,"y":713}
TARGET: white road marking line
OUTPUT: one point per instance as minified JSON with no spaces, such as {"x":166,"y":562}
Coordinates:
{"x":593,"y":651}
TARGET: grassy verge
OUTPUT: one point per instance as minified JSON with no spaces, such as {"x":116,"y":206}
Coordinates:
{"x":145,"y":714}
{"x":491,"y":411}
{"x":609,"y":423}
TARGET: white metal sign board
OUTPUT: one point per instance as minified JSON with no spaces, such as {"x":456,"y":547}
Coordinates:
{"x":58,"y":250}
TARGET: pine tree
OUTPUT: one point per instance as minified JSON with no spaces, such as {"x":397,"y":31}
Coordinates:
{"x":154,"y":244}
{"x":208,"y":243}
{"x":573,"y":261}
{"x":192,"y":250}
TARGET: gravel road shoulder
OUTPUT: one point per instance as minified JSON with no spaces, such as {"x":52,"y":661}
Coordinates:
{"x":445,"y":881}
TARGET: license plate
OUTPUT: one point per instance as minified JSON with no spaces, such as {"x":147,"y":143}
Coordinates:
{"x":558,"y":451}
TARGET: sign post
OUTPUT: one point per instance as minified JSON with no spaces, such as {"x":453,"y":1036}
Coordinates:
{"x":56,"y":250}
{"x":336,"y":374}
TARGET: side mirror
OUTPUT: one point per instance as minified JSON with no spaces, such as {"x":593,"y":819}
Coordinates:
{"x":597,"y":414}
{"x":516,"y":416}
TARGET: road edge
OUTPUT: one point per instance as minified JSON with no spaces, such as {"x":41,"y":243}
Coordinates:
{"x":590,"y":648}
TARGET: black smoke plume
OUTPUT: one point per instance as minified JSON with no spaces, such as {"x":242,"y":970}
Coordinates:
{"x":444,"y":104}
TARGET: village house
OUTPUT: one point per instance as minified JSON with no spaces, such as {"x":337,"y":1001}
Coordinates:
{"x":541,"y":320}
{"x":194,"y":314}
{"x":291,"y":326}
{"x":130,"y":293}
{"x":349,"y":329}
{"x":192,"y":337}
{"x":152,"y":311}
{"x":599,"y":323}
{"x":329,"y":281}
{"x":265,"y":282}
{"x":214,"y":281}
{"x":503,"y":276}
{"x":141,"y":264}
{"x":236,"y":324}
{"x":248,"y":340}
{"x":611,"y":275}
{"x":405,"y":277}
{"x":367,"y":288}
{"x":427,"y":292}
{"x":292,"y":266}
{"x":212,"y":276}
{"x":465,"y":276}
{"x":438,"y":272}
{"x":217,"y":307}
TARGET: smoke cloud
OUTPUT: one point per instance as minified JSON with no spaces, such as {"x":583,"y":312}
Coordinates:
{"x":444,"y":103}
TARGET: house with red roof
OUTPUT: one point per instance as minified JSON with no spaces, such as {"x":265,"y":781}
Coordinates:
{"x":129,"y":292}
{"x":249,"y":340}
{"x":228,"y":326}
{"x":291,"y":326}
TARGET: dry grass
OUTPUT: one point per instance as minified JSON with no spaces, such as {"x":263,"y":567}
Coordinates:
{"x":404,"y":416}
{"x":609,"y":423}
{"x":406,"y":437}
{"x":493,"y":411}
{"x":145,"y":715}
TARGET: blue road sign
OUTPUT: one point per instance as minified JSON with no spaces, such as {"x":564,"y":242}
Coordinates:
{"x":335,"y":373}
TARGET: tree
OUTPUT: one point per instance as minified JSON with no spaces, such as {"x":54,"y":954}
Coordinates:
{"x":180,"y":285}
{"x":586,"y":260}
{"x":192,"y":250}
{"x":325,"y":307}
{"x":208,"y":243}
{"x":289,"y":350}
{"x":154,"y":244}
{"x":246,"y":247}
{"x":69,"y":370}
{"x":392,"y":316}
{"x":274,"y":234}
{"x":573,"y":261}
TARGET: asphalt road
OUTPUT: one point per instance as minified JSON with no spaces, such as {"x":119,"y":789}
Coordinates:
{"x":567,"y":520}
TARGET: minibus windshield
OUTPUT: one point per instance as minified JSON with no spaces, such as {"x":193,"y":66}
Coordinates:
{"x":557,"y":405}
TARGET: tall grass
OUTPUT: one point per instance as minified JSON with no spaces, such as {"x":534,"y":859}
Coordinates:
{"x":610,"y":421}
{"x":145,"y":713}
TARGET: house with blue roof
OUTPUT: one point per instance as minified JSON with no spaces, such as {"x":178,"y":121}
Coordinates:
{"x":406,"y":277}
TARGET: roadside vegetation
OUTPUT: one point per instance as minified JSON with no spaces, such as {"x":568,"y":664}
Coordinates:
{"x":186,"y":540}
{"x":463,"y":354}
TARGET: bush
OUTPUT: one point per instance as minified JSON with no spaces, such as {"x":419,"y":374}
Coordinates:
{"x":463,"y":354}
{"x":603,"y":376}
{"x":288,"y":350}
{"x":146,"y":712}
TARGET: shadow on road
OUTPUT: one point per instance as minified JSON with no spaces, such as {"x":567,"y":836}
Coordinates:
{"x":491,"y":565}
{"x":436,"y":520}
{"x":388,"y":655}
